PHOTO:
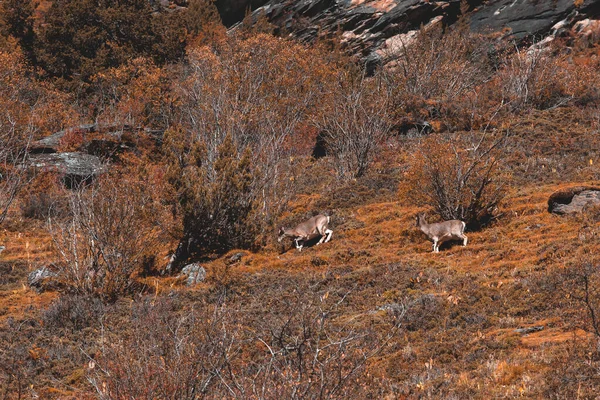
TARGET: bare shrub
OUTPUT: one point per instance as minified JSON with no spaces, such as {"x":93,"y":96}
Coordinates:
{"x":13,"y":150}
{"x":460,"y":176}
{"x":73,"y":313}
{"x":580,"y":280}
{"x":28,"y":108}
{"x":43,"y":196}
{"x":533,"y":78}
{"x":355,"y":122}
{"x":437,"y":74}
{"x":204,"y":353}
{"x":105,"y":236}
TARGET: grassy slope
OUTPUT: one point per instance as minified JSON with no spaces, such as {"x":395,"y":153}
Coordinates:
{"x":459,"y":339}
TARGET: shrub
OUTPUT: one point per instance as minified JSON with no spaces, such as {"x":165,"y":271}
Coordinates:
{"x":245,"y":101}
{"x":460,"y":177}
{"x":204,"y":352}
{"x":81,"y":38}
{"x":105,"y":237}
{"x":217,"y":203}
{"x":438,"y":74}
{"x":73,"y":313}
{"x":43,"y":197}
{"x":533,"y":79}
{"x":355,"y":122}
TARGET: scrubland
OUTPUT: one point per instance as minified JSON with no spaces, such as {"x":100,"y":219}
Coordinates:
{"x":257,"y":132}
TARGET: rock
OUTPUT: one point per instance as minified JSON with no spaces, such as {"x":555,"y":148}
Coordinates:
{"x":76,"y":167}
{"x":524,"y":18}
{"x":236,"y":257}
{"x":193,"y":273}
{"x":51,"y":144}
{"x":588,"y":29}
{"x":575,"y":199}
{"x":39,"y":278}
{"x":529,"y":329}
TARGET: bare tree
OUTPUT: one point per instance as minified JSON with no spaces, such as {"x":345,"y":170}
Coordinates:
{"x":104,"y":238}
{"x":355,"y":122}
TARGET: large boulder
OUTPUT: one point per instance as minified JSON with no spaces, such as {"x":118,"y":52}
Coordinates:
{"x":75,"y":167}
{"x":574,"y":199}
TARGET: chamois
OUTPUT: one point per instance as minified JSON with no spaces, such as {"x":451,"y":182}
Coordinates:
{"x":441,"y":232}
{"x":307,"y":230}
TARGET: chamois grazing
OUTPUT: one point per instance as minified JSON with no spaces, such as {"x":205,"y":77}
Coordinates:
{"x":441,"y":232}
{"x":307,"y":230}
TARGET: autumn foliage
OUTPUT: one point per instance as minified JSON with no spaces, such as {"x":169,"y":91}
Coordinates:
{"x":210,"y":140}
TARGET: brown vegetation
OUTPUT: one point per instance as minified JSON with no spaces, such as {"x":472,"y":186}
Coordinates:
{"x":370,"y":314}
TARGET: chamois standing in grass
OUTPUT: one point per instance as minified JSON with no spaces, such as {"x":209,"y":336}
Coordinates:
{"x":307,"y":230}
{"x":441,"y":232}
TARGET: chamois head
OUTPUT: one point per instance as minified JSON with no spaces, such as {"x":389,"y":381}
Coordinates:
{"x":281,"y":234}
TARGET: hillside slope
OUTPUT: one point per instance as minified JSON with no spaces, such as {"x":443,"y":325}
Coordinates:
{"x":504,"y":317}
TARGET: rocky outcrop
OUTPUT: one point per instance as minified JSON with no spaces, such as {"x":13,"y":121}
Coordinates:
{"x":75,"y":167}
{"x":526,"y":18}
{"x":369,"y":25}
{"x":99,"y":143}
{"x":572,"y":200}
{"x":51,"y":144}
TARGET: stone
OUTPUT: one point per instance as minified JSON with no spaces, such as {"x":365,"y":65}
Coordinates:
{"x":530,"y":329}
{"x":236,"y":257}
{"x":572,"y":200}
{"x":39,"y":278}
{"x":193,"y":273}
{"x":76,"y":167}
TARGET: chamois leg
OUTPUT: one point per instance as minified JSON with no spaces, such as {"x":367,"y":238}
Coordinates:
{"x":325,"y":236}
{"x":321,"y":240}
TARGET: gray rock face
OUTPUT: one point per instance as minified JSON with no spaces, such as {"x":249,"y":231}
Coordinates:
{"x":50,"y":144}
{"x":573,"y":200}
{"x":526,"y":17}
{"x":194,"y":273}
{"x":367,"y":24}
